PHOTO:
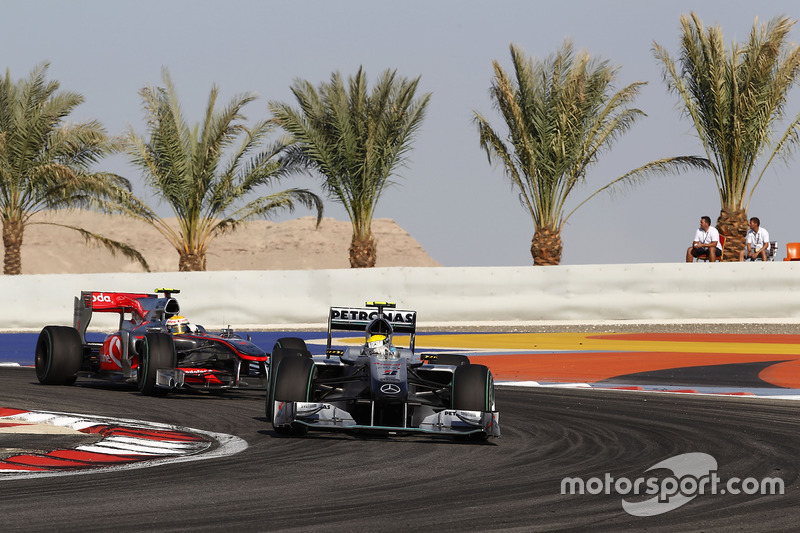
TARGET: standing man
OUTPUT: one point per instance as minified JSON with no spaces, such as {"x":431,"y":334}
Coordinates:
{"x":757,"y":243}
{"x":706,"y":241}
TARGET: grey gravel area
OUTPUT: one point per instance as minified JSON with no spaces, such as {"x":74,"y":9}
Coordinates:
{"x":743,"y":328}
{"x":749,"y":328}
{"x":696,"y":328}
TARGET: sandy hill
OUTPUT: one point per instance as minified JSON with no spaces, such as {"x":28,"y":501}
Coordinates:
{"x":260,"y":245}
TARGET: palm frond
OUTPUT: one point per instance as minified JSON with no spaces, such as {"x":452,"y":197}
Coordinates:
{"x":665,"y":166}
{"x":111,"y":245}
{"x":267,"y":206}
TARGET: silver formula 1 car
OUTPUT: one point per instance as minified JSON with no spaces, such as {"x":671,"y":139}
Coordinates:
{"x":154,"y":347}
{"x":377,"y":386}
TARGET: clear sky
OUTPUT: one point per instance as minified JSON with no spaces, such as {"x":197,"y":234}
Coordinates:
{"x":448,"y":197}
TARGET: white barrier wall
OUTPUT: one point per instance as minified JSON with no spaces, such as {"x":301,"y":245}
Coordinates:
{"x":637,"y":293}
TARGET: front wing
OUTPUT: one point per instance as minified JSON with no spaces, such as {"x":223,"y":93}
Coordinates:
{"x":208,"y":379}
{"x":325,"y":416}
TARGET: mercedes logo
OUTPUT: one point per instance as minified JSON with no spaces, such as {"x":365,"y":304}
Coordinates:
{"x":390,"y":388}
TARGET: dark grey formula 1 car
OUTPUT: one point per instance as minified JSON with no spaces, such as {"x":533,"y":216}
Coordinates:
{"x":377,"y":386}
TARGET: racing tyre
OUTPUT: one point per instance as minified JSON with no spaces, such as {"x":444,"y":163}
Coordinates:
{"x":294,"y":348}
{"x":157,"y":351}
{"x":473,"y":388}
{"x":292,"y":384}
{"x":454,"y":359}
{"x":59,"y":354}
{"x":292,"y":343}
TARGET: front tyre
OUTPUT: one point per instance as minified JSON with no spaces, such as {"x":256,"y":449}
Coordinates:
{"x":295,"y":344}
{"x":473,"y":390}
{"x":292,"y":384}
{"x":157,"y":351}
{"x":284,"y":347}
{"x":59,"y":354}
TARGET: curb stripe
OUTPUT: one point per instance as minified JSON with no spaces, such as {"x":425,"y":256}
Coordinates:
{"x":43,"y":460}
{"x":92,"y":457}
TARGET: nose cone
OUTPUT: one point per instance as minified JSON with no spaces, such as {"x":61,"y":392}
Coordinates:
{"x":389,"y":379}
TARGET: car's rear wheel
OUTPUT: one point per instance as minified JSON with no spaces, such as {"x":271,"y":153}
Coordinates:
{"x":157,"y":352}
{"x":59,"y":354}
{"x":293,"y":384}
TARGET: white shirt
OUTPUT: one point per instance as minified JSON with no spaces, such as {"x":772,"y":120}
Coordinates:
{"x":757,"y":239}
{"x":707,"y":237}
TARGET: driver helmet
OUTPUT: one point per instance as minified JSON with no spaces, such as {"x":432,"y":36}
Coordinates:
{"x":379,"y":345}
{"x":178,"y":324}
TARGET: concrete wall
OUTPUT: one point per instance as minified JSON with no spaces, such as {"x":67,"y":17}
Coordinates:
{"x":637,"y":293}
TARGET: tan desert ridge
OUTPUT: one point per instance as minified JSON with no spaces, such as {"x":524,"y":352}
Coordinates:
{"x":259,"y":245}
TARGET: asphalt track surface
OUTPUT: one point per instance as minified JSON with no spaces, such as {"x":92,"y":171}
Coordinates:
{"x":332,"y":482}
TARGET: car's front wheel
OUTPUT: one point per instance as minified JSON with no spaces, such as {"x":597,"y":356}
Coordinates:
{"x":473,"y":390}
{"x":295,"y":344}
{"x":292,"y":384}
{"x":157,"y":351}
{"x":284,"y":347}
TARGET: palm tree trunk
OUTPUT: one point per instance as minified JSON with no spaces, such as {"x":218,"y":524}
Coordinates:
{"x":732,"y":223}
{"x":192,"y":262}
{"x":12,"y":241}
{"x":546,"y":247}
{"x":362,"y":252}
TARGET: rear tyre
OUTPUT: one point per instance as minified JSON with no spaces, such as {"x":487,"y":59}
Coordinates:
{"x":59,"y":354}
{"x":157,"y":351}
{"x":292,"y":384}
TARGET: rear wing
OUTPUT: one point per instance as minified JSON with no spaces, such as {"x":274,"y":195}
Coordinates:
{"x":140,"y":306}
{"x":358,"y":318}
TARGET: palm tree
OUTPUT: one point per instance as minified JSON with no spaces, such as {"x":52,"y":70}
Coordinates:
{"x":734,"y":99}
{"x":185,"y":167}
{"x":45,"y":162}
{"x":355,"y":140}
{"x":560,"y":114}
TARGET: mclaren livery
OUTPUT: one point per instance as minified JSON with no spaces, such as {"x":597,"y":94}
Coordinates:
{"x":155,"y":347}
{"x":377,"y":386}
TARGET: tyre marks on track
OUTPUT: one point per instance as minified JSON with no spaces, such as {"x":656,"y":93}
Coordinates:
{"x":97,"y":444}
